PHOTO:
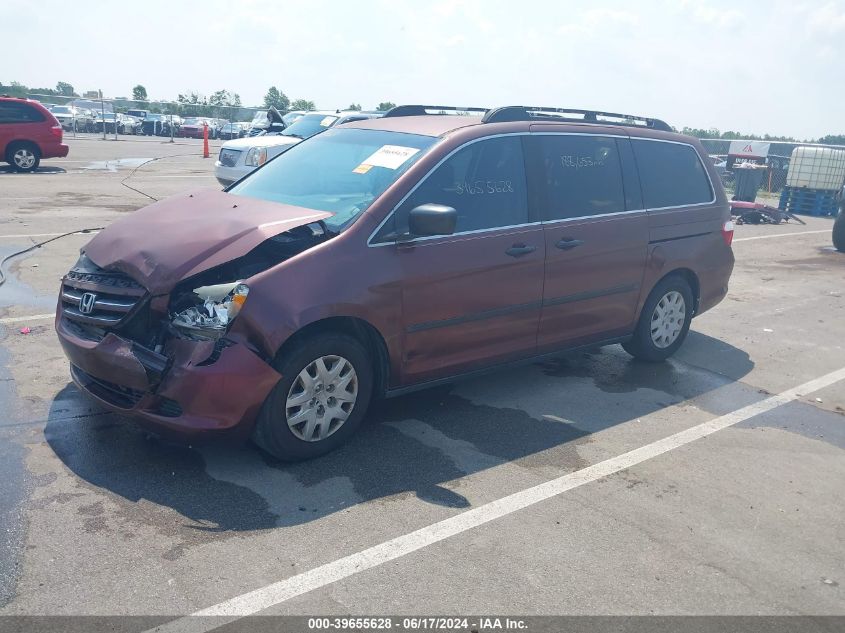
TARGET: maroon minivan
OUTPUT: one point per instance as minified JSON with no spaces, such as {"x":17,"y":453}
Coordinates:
{"x":390,"y":255}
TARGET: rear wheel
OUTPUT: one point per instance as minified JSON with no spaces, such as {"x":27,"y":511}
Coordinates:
{"x":23,"y":157}
{"x":839,"y":230}
{"x":664,"y":321}
{"x":320,"y":401}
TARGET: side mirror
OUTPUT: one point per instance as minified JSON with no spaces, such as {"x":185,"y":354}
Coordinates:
{"x":432,"y":219}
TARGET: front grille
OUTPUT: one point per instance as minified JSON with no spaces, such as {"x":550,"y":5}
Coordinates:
{"x":85,"y":331}
{"x":229,"y":157}
{"x":117,"y":395}
{"x":102,"y":299}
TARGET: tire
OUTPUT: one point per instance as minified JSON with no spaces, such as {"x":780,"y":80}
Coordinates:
{"x":839,"y":230}
{"x":23,"y":157}
{"x":277,"y":430}
{"x":672,"y":296}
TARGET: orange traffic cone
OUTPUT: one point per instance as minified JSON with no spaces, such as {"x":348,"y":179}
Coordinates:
{"x":205,"y":153}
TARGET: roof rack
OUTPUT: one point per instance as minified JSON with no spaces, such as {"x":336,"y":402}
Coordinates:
{"x":421,"y":110}
{"x":528,"y":113}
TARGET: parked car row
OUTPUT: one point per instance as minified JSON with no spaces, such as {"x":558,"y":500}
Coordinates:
{"x":108,"y":121}
{"x":233,"y":129}
{"x":144,"y":122}
{"x":73,"y":119}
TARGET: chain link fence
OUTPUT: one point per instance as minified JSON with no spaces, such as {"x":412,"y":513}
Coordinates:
{"x":128,"y":117}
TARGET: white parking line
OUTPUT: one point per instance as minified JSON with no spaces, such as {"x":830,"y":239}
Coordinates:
{"x":27,"y":319}
{"x":278,"y":592}
{"x":767,"y":237}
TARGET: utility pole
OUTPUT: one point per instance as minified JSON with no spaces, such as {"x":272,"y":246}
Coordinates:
{"x":103,"y":113}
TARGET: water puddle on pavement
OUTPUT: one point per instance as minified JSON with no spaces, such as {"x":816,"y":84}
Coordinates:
{"x":14,"y":292}
{"x":116,"y":164}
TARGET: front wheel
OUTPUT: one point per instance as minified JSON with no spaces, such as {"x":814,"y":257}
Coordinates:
{"x":839,"y":230}
{"x":664,"y":321}
{"x":326,"y":385}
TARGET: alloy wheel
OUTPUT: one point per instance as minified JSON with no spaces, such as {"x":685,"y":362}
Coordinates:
{"x":24,"y":158}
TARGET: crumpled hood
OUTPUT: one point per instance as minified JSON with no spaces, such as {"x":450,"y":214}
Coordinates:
{"x":168,"y":241}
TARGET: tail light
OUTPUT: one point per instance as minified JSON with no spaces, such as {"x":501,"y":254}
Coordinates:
{"x":56,"y":131}
{"x":728,"y":232}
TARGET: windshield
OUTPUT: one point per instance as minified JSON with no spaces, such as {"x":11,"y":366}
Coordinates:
{"x":310,"y":124}
{"x":61,"y":110}
{"x":291,"y":117}
{"x":193,"y":121}
{"x":342,"y":171}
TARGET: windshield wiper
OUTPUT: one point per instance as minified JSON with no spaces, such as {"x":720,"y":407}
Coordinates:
{"x":293,"y":135}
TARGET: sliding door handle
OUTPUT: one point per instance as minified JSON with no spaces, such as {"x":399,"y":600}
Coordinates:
{"x":565,"y":244}
{"x":518,"y":250}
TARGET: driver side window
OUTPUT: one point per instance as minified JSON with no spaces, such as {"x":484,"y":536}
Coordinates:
{"x":484,"y":182}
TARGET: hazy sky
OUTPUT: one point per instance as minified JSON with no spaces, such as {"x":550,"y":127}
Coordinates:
{"x":752,"y":66}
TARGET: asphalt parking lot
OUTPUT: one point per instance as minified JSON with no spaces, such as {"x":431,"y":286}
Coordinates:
{"x":548,"y":489}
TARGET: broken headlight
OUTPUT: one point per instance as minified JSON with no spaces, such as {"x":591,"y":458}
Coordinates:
{"x":215,"y":309}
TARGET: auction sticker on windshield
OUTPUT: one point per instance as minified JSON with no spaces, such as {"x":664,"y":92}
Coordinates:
{"x":388,"y":156}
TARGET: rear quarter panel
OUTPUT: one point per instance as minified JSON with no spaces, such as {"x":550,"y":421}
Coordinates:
{"x":690,"y":238}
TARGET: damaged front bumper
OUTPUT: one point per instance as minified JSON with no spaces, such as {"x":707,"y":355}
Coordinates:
{"x":191,"y":389}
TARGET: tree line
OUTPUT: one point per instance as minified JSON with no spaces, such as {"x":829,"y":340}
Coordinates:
{"x":220,"y":104}
{"x":277,"y":99}
{"x":227,"y":104}
{"x":713,"y":133}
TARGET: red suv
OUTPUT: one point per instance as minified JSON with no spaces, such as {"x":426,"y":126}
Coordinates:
{"x":28,"y":133}
{"x":393,"y":254}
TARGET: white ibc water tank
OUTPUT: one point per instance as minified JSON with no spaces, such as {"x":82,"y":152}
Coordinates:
{"x":817,"y":168}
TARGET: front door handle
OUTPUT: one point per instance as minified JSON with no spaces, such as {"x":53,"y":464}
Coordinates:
{"x":565,"y":244}
{"x":518,"y":250}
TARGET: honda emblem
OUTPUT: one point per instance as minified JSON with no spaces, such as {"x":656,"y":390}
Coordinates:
{"x":86,"y":302}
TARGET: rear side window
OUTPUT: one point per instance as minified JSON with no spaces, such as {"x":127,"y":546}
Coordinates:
{"x":11,"y":112}
{"x":671,"y":174}
{"x":582,"y":176}
{"x":484,"y":182}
